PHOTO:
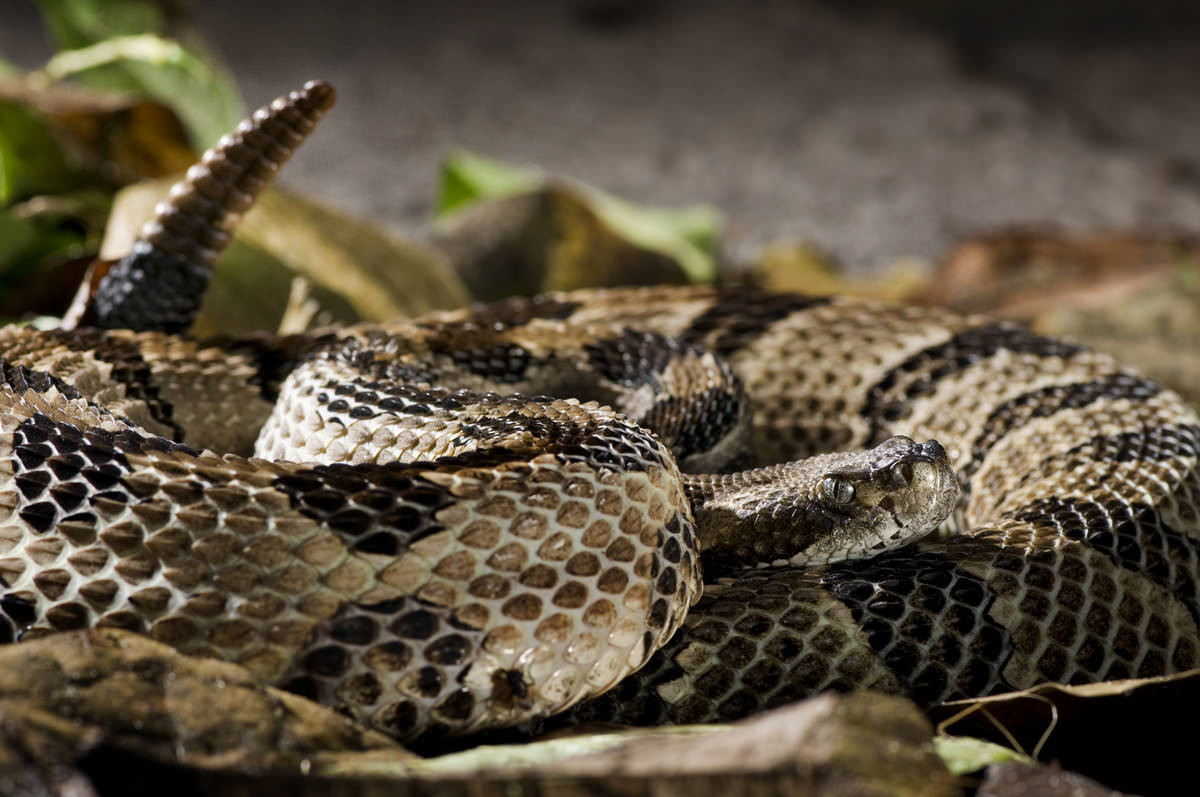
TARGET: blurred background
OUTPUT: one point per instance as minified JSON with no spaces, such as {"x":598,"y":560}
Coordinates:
{"x":875,"y":130}
{"x":1017,"y":157}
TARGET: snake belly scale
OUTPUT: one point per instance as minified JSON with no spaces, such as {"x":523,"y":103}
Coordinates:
{"x":466,"y":520}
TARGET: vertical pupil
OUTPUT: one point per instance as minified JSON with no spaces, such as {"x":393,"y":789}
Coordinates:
{"x":837,"y":490}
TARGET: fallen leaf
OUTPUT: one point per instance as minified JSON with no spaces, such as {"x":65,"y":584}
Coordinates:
{"x":1124,"y":733}
{"x":380,"y":275}
{"x":1154,"y":326}
{"x":1131,"y":295}
{"x":553,"y":754}
{"x":858,"y":744}
{"x":467,"y":178}
{"x":125,"y":45}
{"x":44,"y":244}
{"x":152,"y":66}
{"x":112,"y":138}
{"x":154,"y":701}
{"x":1023,"y":273}
{"x":688,"y":235}
{"x":1022,"y":780}
{"x":511,"y":230}
{"x":963,"y":754}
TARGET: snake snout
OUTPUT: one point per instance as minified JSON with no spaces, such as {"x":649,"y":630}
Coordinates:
{"x":921,"y":489}
{"x":933,"y":450}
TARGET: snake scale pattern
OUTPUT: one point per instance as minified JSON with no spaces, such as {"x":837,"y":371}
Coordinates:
{"x":477,"y":517}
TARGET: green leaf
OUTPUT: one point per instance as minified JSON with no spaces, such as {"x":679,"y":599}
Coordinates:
{"x":7,"y":68}
{"x":73,"y":24}
{"x":467,"y":178}
{"x":964,"y":754}
{"x":44,"y":322}
{"x":202,"y":95}
{"x":16,"y":235}
{"x":1188,"y":273}
{"x":688,"y":235}
{"x":122,"y":45}
{"x":27,"y":242}
{"x":47,"y":229}
{"x":31,"y":161}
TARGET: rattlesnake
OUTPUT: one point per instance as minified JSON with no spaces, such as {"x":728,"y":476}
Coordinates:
{"x":427,"y":545}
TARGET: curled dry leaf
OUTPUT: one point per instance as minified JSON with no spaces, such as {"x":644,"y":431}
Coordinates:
{"x":1124,"y":734}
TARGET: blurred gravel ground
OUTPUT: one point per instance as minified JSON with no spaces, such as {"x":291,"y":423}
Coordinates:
{"x":859,"y":133}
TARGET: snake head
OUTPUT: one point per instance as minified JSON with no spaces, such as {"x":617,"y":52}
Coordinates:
{"x":870,"y":501}
{"x":844,"y":505}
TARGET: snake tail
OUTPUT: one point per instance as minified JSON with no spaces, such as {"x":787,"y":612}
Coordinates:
{"x":160,"y":284}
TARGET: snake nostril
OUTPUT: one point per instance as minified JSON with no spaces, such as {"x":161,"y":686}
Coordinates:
{"x":933,"y":449}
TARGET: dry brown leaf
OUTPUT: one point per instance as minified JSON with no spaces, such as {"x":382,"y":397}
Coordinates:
{"x":185,"y":721}
{"x":1122,"y":733}
{"x":858,"y":744}
{"x":1018,"y":780}
{"x":1023,"y":273}
{"x":152,"y":699}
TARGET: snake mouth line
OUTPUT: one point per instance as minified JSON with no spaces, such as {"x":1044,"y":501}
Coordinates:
{"x":944,"y":493}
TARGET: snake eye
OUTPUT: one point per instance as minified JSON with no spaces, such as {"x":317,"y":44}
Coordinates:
{"x":837,"y":490}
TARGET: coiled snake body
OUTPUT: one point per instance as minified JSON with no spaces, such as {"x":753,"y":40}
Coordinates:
{"x":391,"y":519}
